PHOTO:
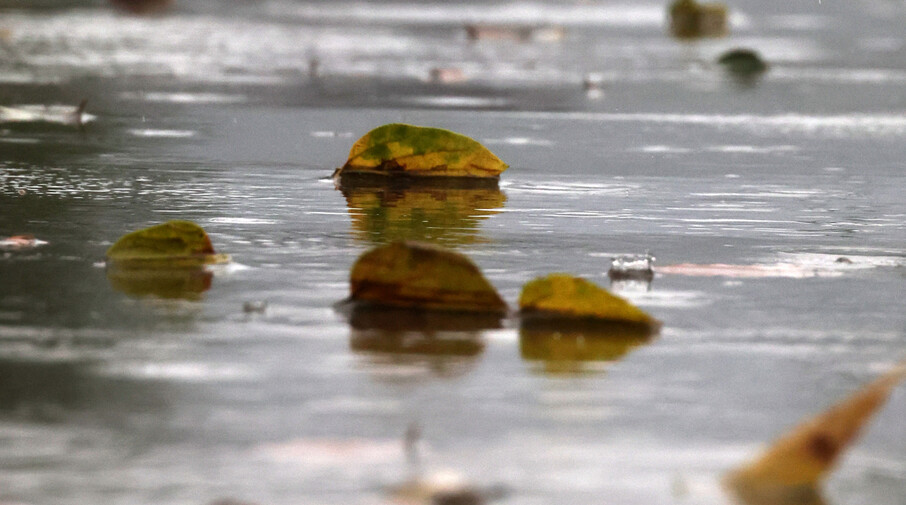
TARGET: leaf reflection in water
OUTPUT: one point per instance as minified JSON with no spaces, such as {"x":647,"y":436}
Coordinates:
{"x":571,"y":346}
{"x":168,"y":283}
{"x":429,"y":212}
{"x":441,"y":343}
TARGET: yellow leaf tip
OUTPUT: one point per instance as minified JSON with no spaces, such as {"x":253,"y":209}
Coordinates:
{"x":797,"y":462}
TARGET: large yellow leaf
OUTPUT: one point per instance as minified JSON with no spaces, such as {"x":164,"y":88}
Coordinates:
{"x":405,"y":150}
{"x":410,"y":274}
{"x":563,"y":295}
{"x":174,"y":244}
{"x":796,"y":463}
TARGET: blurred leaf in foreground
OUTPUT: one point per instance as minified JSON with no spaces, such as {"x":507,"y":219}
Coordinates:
{"x":790,"y":471}
{"x":421,"y":276}
{"x":565,"y":296}
{"x":403,"y":150}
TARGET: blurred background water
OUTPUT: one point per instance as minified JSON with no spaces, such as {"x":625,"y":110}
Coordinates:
{"x":233,"y":114}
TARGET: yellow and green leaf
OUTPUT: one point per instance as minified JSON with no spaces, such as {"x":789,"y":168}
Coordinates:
{"x":563,"y":295}
{"x":174,"y":244}
{"x":421,"y":276}
{"x":416,"y":151}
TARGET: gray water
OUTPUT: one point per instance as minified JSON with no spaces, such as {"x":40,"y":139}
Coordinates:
{"x":210,"y":113}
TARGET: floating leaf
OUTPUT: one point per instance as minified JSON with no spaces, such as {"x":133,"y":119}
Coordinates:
{"x":562,"y":295}
{"x":690,"y":19}
{"x":174,"y":244}
{"x":797,"y":462}
{"x":432,"y":214}
{"x":414,"y":275}
{"x":570,"y":346}
{"x":416,"y":151}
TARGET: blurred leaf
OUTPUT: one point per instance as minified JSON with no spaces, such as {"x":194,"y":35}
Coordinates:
{"x":410,"y":274}
{"x":416,"y":151}
{"x":795,"y":464}
{"x":174,"y":244}
{"x":562,"y":295}
{"x":690,"y":19}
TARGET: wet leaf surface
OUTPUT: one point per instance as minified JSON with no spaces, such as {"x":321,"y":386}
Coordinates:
{"x":416,"y":151}
{"x":174,"y":244}
{"x":415,"y":275}
{"x":565,"y":296}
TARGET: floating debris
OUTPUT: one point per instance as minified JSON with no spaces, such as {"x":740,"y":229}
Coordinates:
{"x":593,"y":84}
{"x":446,"y":75}
{"x":690,"y":19}
{"x":421,"y":276}
{"x":515,"y":33}
{"x":743,"y":64}
{"x":20,"y":242}
{"x":402,"y":150}
{"x":792,"y":469}
{"x":632,"y":267}
{"x":562,"y":296}
{"x":63,"y":115}
{"x":255,"y":307}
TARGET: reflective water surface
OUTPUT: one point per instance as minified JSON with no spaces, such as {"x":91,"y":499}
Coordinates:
{"x":774,"y":209}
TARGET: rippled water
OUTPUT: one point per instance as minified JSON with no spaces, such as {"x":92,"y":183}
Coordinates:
{"x":232,"y":114}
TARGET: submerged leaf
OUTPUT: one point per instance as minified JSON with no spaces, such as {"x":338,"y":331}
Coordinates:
{"x":415,"y":151}
{"x":562,"y":295}
{"x":414,"y":275}
{"x":797,"y":462}
{"x":174,"y":244}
